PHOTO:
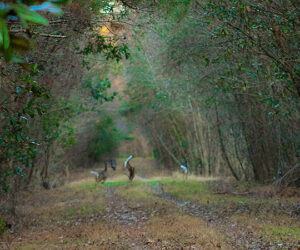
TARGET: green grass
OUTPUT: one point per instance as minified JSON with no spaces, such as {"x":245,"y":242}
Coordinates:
{"x":153,"y":182}
{"x":273,"y":228}
{"x":201,"y":192}
{"x":84,"y":209}
{"x":191,"y":190}
{"x":279,"y":232}
{"x":138,"y":190}
{"x":115,"y":183}
{"x":90,"y":186}
{"x":83,"y":185}
{"x":188,"y":190}
{"x":82,"y":199}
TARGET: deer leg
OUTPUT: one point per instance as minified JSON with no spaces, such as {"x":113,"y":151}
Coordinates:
{"x":97,"y":182}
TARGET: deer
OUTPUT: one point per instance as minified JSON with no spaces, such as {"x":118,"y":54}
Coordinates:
{"x":102,"y":176}
{"x":113,"y":164}
{"x":130,"y":168}
{"x":185,"y":170}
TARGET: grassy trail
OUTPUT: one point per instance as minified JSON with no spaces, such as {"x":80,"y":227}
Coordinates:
{"x":158,"y":213}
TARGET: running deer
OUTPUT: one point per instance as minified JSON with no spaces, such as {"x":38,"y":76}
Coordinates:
{"x":185,"y":170}
{"x":131,"y":169}
{"x":102,"y":176}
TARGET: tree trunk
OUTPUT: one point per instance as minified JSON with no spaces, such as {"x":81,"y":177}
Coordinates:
{"x":224,"y":154}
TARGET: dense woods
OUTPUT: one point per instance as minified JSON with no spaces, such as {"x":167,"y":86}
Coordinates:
{"x":218,"y":83}
{"x":46,"y":84}
{"x":212,"y":85}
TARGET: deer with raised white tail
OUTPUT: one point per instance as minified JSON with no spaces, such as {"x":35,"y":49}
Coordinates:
{"x":185,"y":170}
{"x":100,"y":176}
{"x":131,"y":169}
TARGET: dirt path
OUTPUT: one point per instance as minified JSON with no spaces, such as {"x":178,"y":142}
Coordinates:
{"x":118,"y":209}
{"x":239,"y":237}
{"x":134,"y":217}
{"x":118,"y":215}
{"x":129,"y":217}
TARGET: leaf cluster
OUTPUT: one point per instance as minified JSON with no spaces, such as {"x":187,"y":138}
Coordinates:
{"x":23,"y":13}
{"x":99,"y":90}
{"x":110,"y":49}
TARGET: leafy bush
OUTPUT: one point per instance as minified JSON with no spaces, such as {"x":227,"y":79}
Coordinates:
{"x":99,"y":90}
{"x":2,"y":227}
{"x":106,"y":138}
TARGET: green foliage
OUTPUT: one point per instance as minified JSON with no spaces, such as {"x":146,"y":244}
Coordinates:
{"x":175,"y":10}
{"x":33,"y":107}
{"x":18,"y":145}
{"x":68,"y":139}
{"x":2,"y":227}
{"x":33,"y":118}
{"x":4,"y":36}
{"x":97,"y":5}
{"x":99,"y":90}
{"x":267,"y":28}
{"x":106,"y":138}
{"x":131,"y":107}
{"x":58,"y":112}
{"x":109,"y":48}
{"x":236,"y":58}
{"x":24,"y":12}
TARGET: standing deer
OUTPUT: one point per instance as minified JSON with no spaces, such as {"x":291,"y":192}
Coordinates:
{"x":130,"y":168}
{"x":185,"y":170}
{"x":113,"y":164}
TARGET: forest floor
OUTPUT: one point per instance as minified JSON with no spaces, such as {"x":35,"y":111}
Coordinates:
{"x":156,"y":213}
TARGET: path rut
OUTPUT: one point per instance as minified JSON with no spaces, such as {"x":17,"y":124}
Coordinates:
{"x":239,"y":237}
